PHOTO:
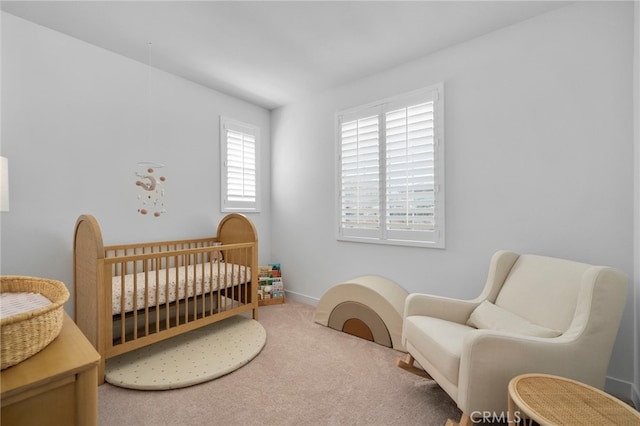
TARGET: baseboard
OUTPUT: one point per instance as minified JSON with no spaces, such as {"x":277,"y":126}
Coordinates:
{"x":621,"y":389}
{"x":302,"y":298}
{"x":635,"y":397}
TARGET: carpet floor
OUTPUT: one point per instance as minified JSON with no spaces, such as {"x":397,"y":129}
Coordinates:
{"x":306,"y":374}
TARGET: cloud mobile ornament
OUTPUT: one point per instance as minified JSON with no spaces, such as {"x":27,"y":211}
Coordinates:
{"x":150,"y":189}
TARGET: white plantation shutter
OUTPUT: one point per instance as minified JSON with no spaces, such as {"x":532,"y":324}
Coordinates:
{"x":391,"y":171}
{"x":410,"y":168}
{"x":239,"y":166}
{"x":360,"y":192}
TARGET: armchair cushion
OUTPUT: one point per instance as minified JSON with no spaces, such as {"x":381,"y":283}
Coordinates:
{"x":492,"y":317}
{"x":441,"y":339}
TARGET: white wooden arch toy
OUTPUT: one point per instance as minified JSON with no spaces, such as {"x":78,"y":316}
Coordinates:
{"x":369,"y":307}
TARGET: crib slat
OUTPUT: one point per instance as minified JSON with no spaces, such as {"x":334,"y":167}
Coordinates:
{"x":245,"y":278}
{"x":146,"y":297}
{"x":192,"y":266}
{"x":135,"y":300}
{"x":229,"y":277}
{"x":157,"y":293}
{"x":123,"y":269}
{"x":203,"y":305}
{"x":211,"y":302}
{"x":218,"y":292}
{"x":167,"y":303}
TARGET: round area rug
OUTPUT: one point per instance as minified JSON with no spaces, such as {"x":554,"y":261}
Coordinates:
{"x":191,"y":358}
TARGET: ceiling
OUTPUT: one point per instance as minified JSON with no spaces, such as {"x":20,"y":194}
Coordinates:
{"x":273,"y":52}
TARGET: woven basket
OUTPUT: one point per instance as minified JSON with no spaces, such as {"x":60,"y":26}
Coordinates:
{"x":23,"y":335}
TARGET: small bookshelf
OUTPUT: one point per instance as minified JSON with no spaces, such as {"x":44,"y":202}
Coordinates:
{"x":271,"y":288}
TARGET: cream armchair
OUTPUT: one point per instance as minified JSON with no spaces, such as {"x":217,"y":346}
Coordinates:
{"x":535,"y":315}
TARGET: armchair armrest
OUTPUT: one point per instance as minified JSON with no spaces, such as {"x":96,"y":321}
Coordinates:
{"x":493,"y":358}
{"x":445,"y":308}
{"x":458,"y":310}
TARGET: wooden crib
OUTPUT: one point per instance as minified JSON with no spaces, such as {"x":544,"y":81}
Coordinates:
{"x":129,"y":296}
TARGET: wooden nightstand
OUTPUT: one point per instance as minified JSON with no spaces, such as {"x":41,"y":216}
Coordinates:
{"x":56,"y":386}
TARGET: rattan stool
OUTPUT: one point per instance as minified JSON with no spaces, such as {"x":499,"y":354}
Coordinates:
{"x":553,"y":400}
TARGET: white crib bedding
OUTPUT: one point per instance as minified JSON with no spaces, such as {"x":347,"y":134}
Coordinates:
{"x":223,"y":275}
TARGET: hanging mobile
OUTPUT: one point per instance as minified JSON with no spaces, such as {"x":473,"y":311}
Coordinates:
{"x":150,"y":189}
{"x":150,"y":184}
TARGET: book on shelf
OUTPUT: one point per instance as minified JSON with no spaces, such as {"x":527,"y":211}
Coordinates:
{"x":271,"y":286}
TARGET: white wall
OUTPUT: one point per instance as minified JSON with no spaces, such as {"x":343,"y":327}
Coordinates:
{"x":636,"y":387}
{"x":1,"y":151}
{"x":76,"y":120}
{"x":539,"y":159}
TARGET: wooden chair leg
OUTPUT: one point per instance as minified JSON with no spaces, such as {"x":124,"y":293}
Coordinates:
{"x":407,"y":365}
{"x":465,"y":420}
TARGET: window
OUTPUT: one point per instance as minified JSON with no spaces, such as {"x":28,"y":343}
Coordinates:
{"x":239,"y":172}
{"x":391,"y":170}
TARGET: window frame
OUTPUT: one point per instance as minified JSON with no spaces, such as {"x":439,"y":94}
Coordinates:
{"x":434,"y":238}
{"x":227,"y":204}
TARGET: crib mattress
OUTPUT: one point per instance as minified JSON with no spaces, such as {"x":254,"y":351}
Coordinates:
{"x":175,"y":284}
